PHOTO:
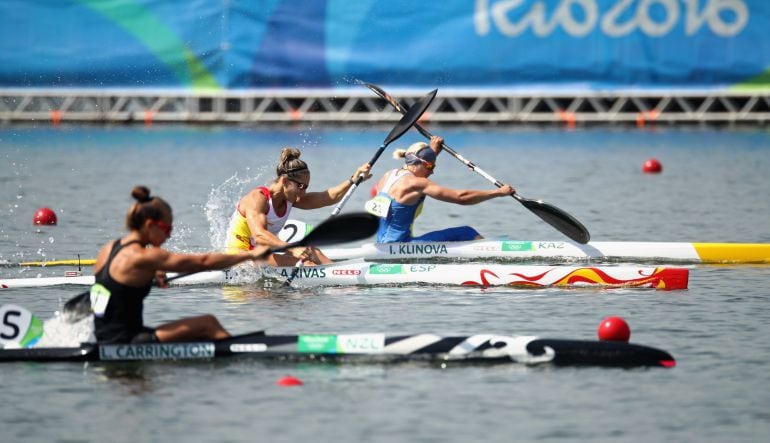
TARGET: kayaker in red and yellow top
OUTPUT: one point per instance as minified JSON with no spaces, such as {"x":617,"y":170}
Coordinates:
{"x":262,"y":212}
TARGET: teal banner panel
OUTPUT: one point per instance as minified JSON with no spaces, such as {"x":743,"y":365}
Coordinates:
{"x":510,"y":44}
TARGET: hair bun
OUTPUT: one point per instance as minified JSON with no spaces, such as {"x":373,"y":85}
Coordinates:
{"x":288,"y":154}
{"x":141,"y":194}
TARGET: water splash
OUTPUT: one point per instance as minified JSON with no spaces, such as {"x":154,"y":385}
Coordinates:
{"x":222,"y":202}
{"x":58,"y":333}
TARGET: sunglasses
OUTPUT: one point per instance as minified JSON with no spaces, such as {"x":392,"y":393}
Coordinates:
{"x":428,"y":165}
{"x":300,"y":185}
{"x":163,"y":226}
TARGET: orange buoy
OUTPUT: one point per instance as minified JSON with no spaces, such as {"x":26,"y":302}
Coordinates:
{"x":289,"y":381}
{"x":44,"y":216}
{"x":614,"y":329}
{"x":652,"y":166}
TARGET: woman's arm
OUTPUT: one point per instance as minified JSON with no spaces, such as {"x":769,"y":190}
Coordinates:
{"x":163,"y":260}
{"x":255,"y":208}
{"x":464,"y":196}
{"x":101,"y":257}
{"x":257,"y":221}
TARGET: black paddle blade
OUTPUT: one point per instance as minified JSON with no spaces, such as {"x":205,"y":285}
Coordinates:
{"x":387,"y":97}
{"x":563,"y":222}
{"x":77,"y":308}
{"x":601,"y":353}
{"x":341,"y":229}
{"x":410,"y":118}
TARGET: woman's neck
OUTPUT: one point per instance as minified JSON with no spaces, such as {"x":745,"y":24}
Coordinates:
{"x":137,"y":236}
{"x":277,"y":196}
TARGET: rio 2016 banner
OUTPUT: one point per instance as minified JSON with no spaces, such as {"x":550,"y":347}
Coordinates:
{"x":228,"y":44}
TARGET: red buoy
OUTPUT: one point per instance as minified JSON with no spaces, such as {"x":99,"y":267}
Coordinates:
{"x":614,"y":329}
{"x":44,"y":216}
{"x":652,"y":166}
{"x":289,"y":381}
{"x":373,"y":191}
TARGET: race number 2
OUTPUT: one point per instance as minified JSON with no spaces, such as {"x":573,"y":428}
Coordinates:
{"x":294,"y":230}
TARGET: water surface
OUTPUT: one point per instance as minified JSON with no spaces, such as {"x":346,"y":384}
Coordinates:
{"x":713,"y":188}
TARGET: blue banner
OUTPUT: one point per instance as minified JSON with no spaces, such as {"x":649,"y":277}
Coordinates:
{"x":216,"y":44}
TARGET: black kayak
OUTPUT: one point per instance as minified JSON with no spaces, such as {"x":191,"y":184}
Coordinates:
{"x":367,"y":347}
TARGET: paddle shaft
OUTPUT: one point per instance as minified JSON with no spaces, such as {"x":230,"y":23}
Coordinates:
{"x":357,"y":182}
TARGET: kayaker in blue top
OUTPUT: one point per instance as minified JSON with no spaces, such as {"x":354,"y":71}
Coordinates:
{"x":400,"y":194}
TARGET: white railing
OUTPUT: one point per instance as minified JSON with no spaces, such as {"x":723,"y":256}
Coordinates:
{"x":360,"y":105}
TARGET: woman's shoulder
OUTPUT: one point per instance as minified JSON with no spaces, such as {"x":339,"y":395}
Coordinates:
{"x":257,"y":195}
{"x":259,"y":190}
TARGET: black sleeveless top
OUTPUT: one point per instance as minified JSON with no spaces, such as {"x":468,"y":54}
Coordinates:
{"x":122,"y":317}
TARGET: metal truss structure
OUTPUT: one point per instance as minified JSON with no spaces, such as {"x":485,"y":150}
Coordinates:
{"x":359,"y":105}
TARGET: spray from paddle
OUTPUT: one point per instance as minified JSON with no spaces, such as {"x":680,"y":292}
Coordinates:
{"x":60,"y":333}
{"x":222,"y":201}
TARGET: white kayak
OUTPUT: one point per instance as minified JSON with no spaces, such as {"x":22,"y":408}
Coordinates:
{"x":501,"y":250}
{"x":563,"y":251}
{"x":363,"y":273}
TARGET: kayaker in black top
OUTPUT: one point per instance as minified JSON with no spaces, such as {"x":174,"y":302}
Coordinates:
{"x":121,"y":321}
{"x":125,"y":270}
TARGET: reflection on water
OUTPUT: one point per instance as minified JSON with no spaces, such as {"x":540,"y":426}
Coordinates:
{"x":243,"y":294}
{"x":134,"y":377}
{"x":246,"y":293}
